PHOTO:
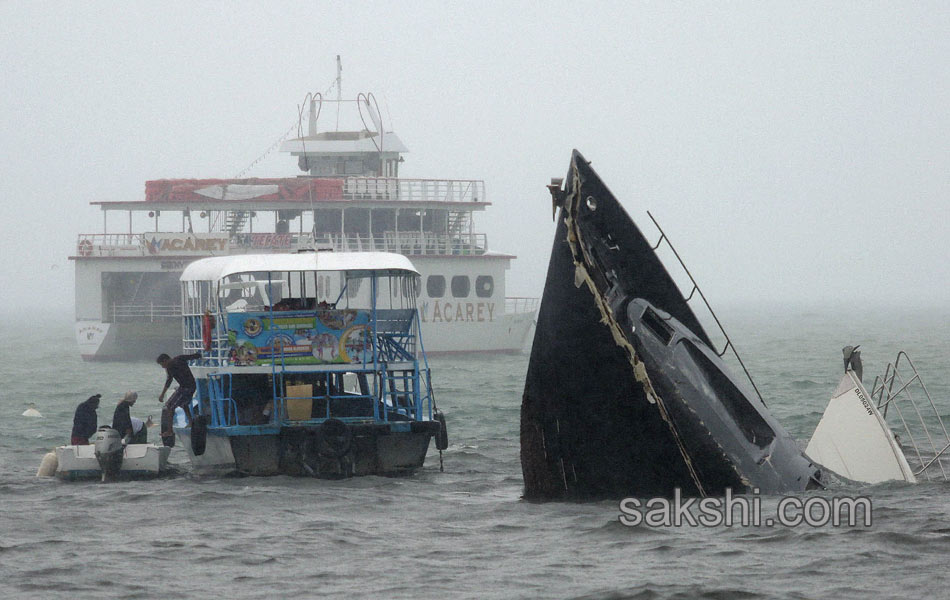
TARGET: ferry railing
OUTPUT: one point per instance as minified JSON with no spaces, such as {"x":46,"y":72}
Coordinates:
{"x":406,"y":242}
{"x":402,"y":242}
{"x":520,"y":304}
{"x":110,"y":244}
{"x":144,"y":311}
{"x":414,"y":190}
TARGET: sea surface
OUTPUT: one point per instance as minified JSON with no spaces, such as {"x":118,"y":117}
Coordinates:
{"x":462,"y":533}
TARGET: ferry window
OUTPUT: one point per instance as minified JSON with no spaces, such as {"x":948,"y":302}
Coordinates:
{"x":353,"y":288}
{"x":461,"y":285}
{"x":484,"y":286}
{"x":435,"y":286}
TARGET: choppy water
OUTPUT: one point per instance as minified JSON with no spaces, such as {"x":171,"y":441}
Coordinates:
{"x":464,"y":533}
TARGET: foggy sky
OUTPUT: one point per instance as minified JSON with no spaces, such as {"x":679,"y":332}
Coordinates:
{"x":794,"y":153}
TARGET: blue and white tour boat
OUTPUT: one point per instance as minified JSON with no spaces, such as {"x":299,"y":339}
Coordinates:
{"x":312,"y":365}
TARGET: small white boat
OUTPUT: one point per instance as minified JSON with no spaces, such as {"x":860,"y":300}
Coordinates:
{"x":138,"y":460}
{"x":854,"y":439}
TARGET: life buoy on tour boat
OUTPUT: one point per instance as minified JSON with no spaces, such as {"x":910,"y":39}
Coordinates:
{"x":85,"y":248}
{"x":207,"y":326}
{"x":199,"y":434}
{"x":441,"y":438}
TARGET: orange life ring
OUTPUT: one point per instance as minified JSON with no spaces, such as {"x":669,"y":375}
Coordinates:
{"x":207,"y":325}
{"x":85,"y":248}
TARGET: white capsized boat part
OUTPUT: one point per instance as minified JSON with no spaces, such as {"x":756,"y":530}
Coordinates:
{"x":32,"y":412}
{"x":48,"y":466}
{"x":853,"y":439}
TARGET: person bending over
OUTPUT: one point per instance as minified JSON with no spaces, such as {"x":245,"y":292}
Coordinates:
{"x":85,"y":421}
{"x":177,"y":369}
{"x":121,"y":419}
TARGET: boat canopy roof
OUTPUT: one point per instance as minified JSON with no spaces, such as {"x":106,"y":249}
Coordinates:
{"x":358,"y":263}
{"x":345,"y":143}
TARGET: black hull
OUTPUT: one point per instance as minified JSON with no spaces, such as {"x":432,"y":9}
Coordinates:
{"x":611,"y":410}
{"x":303,"y":452}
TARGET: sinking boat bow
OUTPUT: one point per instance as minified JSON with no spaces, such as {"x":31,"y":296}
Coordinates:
{"x":624,"y":395}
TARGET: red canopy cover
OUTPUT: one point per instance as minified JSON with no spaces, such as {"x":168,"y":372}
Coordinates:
{"x":289,"y":189}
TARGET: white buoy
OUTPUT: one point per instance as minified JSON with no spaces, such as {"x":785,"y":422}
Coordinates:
{"x":32,"y":412}
{"x":48,"y":466}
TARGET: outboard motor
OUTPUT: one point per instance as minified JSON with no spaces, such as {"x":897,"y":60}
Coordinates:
{"x":109,"y":451}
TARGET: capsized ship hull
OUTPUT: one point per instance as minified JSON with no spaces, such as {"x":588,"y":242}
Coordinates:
{"x":623,"y":395}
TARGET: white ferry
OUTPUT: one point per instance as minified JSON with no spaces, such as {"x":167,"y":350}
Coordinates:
{"x":351,"y":199}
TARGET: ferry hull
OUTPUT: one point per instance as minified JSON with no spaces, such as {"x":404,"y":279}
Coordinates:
{"x":127,"y":341}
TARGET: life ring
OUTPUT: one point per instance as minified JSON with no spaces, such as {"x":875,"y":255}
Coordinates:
{"x":207,"y":325}
{"x":336,"y":438}
{"x":199,"y":434}
{"x":85,"y":248}
{"x":441,"y":438}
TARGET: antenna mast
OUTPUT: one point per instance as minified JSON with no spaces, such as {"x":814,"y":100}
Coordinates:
{"x":339,"y":89}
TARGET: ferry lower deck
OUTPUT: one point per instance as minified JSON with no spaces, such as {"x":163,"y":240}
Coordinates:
{"x":127,"y":308}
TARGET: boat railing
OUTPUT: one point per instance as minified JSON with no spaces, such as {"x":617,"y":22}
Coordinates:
{"x":520,"y":305}
{"x":144,"y":311}
{"x":401,"y":242}
{"x":897,"y":392}
{"x":414,"y":190}
{"x":405,"y":242}
{"x":402,"y":396}
{"x":696,"y":290}
{"x":223,"y":408}
{"x":110,"y":244}
{"x":334,"y":402}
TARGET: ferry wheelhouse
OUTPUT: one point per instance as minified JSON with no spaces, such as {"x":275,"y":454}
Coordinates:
{"x":312,"y":365}
{"x":350,"y":199}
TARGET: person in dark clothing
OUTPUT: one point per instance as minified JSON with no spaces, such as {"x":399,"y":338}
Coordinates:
{"x":140,"y":430}
{"x":121,"y":419}
{"x":177,"y":369}
{"x":85,"y":421}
